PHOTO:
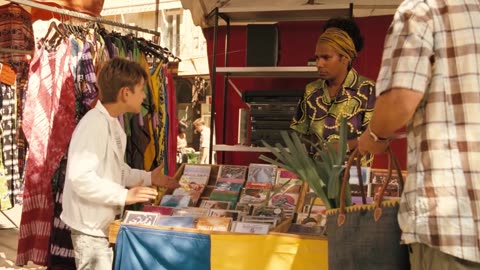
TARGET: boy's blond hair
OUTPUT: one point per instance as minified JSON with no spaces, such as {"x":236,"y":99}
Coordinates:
{"x":198,"y":121}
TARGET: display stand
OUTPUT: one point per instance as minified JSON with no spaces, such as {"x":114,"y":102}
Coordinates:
{"x":258,"y":15}
{"x":141,"y":247}
{"x":167,"y":246}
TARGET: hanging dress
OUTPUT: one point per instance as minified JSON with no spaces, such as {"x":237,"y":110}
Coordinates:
{"x":160,"y":118}
{"x":171,"y":120}
{"x":48,"y":127}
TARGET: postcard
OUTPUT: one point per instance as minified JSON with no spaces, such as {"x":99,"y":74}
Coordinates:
{"x":184,"y":222}
{"x":285,"y":200}
{"x":214,"y":223}
{"x":162,"y":210}
{"x":175,"y":201}
{"x":263,"y":173}
{"x":233,"y":214}
{"x":232,"y":172}
{"x":140,"y":217}
{"x":254,"y":195}
{"x":215,"y":204}
{"x":190,"y":211}
{"x":254,"y":228}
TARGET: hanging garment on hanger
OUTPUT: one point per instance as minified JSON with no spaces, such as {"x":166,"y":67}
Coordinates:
{"x":160,"y":117}
{"x":17,"y":33}
{"x":48,"y":127}
{"x":137,"y":129}
{"x":89,"y":84}
{"x":171,"y":120}
{"x":5,"y":198}
{"x":150,"y":111}
{"x":9,"y":142}
{"x":61,"y":248}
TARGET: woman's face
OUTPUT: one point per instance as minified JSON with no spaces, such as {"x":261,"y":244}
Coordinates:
{"x":330,"y":64}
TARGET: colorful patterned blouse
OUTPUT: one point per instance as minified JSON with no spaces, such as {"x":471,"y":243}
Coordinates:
{"x":317,"y":113}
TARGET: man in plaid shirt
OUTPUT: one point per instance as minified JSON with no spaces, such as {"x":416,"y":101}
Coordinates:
{"x":430,"y":81}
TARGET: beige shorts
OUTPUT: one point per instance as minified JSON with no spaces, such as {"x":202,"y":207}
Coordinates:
{"x":423,"y":257}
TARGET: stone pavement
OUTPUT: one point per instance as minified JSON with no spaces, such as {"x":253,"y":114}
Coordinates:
{"x":9,"y":240}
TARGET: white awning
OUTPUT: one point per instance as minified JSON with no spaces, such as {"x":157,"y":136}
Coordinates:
{"x":112,"y":7}
{"x":248,"y":11}
{"x":195,"y":66}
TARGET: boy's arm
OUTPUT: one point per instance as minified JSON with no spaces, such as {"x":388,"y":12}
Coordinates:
{"x":156,"y":177}
{"x":136,"y":177}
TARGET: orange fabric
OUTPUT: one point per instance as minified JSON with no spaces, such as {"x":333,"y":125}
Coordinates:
{"x":88,"y":7}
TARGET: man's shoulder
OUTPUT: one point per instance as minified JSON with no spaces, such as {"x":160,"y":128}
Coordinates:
{"x":365,"y":82}
{"x":312,"y":86}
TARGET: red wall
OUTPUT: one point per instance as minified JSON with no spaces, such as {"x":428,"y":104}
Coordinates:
{"x":297,"y":45}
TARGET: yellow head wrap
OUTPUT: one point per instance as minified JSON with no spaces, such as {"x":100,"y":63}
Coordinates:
{"x":340,"y":41}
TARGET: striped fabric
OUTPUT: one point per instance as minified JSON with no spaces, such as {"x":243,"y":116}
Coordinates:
{"x":434,"y":47}
{"x":185,"y":249}
{"x":17,"y":33}
{"x":9,"y":141}
{"x":61,"y":255}
{"x":88,"y":79}
{"x":48,"y":126}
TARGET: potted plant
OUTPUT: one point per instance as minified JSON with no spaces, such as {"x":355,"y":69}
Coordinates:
{"x":322,"y":171}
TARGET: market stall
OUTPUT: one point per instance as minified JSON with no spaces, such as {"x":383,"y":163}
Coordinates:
{"x":46,"y":103}
{"x":147,"y":247}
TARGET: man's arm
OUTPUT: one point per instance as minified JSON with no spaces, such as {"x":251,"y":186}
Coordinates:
{"x":393,"y":110}
{"x":203,"y":154}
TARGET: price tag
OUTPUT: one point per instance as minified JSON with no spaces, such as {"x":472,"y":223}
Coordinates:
{"x":7,"y":75}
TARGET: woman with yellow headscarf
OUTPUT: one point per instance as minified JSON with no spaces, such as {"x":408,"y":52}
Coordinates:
{"x":340,"y":90}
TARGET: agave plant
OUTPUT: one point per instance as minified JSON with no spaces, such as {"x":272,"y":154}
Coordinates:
{"x":321,"y":171}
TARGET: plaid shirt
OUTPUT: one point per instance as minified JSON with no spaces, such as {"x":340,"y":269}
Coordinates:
{"x":433,"y":47}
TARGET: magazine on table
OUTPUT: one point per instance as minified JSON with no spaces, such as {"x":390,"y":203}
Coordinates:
{"x":283,"y":176}
{"x":182,"y":222}
{"x":232,"y":172}
{"x":262,"y":173}
{"x":215,"y":204}
{"x":214,"y":223}
{"x":176,"y":200}
{"x":190,"y":211}
{"x":233,"y":214}
{"x":193,"y":181}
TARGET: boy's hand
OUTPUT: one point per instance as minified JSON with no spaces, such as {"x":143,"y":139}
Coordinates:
{"x":140,"y":195}
{"x":160,"y":180}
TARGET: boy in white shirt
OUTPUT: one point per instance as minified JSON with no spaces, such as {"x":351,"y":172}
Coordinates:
{"x":199,"y":125}
{"x":97,"y":175}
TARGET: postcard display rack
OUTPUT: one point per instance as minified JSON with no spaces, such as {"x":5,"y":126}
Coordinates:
{"x":225,"y":233}
{"x":231,"y":244}
{"x":165,"y":247}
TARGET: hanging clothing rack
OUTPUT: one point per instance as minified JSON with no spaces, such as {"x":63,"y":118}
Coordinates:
{"x":82,"y":16}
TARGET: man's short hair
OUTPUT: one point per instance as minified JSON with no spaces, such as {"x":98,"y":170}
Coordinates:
{"x":116,"y":74}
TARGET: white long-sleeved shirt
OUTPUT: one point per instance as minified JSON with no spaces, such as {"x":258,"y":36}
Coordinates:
{"x":97,"y":174}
